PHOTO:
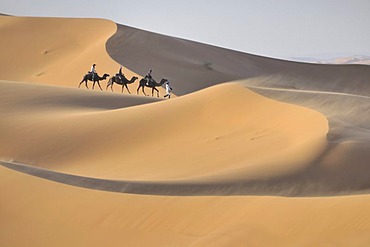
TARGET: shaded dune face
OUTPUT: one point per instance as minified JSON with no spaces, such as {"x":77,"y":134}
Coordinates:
{"x":192,"y":66}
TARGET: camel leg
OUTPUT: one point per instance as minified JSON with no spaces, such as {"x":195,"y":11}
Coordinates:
{"x":153,"y":88}
{"x":80,"y":83}
{"x":137,"y":90}
{"x":144,"y":91}
{"x":86,"y":84}
{"x":127,"y":89}
{"x":110,"y":83}
{"x":111,"y":86}
{"x":100,"y":86}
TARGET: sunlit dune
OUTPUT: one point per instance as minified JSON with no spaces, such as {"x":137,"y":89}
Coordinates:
{"x":57,"y":51}
{"x":47,"y":213}
{"x":200,"y":133}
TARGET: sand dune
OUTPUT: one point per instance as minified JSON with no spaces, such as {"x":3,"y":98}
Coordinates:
{"x":279,"y":157}
{"x":65,"y":215}
{"x":200,"y":123}
{"x":347,"y":157}
{"x":57,"y":46}
{"x":57,"y":51}
{"x":192,"y":66}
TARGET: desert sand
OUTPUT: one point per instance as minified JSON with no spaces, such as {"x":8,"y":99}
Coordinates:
{"x":254,"y":152}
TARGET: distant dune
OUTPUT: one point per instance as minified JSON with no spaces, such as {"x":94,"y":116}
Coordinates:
{"x":352,"y":59}
{"x":254,"y":151}
{"x":192,"y":66}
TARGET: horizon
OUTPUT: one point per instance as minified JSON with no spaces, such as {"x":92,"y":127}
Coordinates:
{"x":281,"y":30}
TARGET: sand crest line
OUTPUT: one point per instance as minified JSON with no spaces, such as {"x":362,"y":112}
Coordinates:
{"x":121,"y":186}
{"x":276,"y":187}
{"x":308,"y":91}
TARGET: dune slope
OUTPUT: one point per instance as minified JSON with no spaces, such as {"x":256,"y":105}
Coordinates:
{"x":57,"y":51}
{"x":189,"y":138}
{"x":222,"y":166}
{"x":192,"y":66}
{"x":234,"y":150}
{"x":53,"y":50}
{"x":45,"y":213}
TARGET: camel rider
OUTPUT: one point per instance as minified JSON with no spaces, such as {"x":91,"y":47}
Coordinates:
{"x":168,"y":89}
{"x":148,"y":77}
{"x":93,"y":71}
{"x":120,"y":74}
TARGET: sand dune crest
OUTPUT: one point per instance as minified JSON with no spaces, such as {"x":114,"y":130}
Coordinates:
{"x":228,"y":119}
{"x":61,"y":52}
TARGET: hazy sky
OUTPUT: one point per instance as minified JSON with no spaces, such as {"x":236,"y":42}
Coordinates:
{"x":277,"y":28}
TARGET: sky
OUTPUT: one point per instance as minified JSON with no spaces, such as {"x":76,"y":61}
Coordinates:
{"x":274,"y":28}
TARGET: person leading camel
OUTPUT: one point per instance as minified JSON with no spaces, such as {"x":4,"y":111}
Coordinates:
{"x":168,"y":89}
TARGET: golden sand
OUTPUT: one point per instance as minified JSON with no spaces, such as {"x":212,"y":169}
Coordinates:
{"x":205,"y":169}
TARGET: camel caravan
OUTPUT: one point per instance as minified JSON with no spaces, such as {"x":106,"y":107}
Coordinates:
{"x":120,"y":79}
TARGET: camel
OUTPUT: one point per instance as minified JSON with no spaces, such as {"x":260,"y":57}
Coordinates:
{"x":123,"y":82}
{"x":97,"y":78}
{"x":152,"y":84}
